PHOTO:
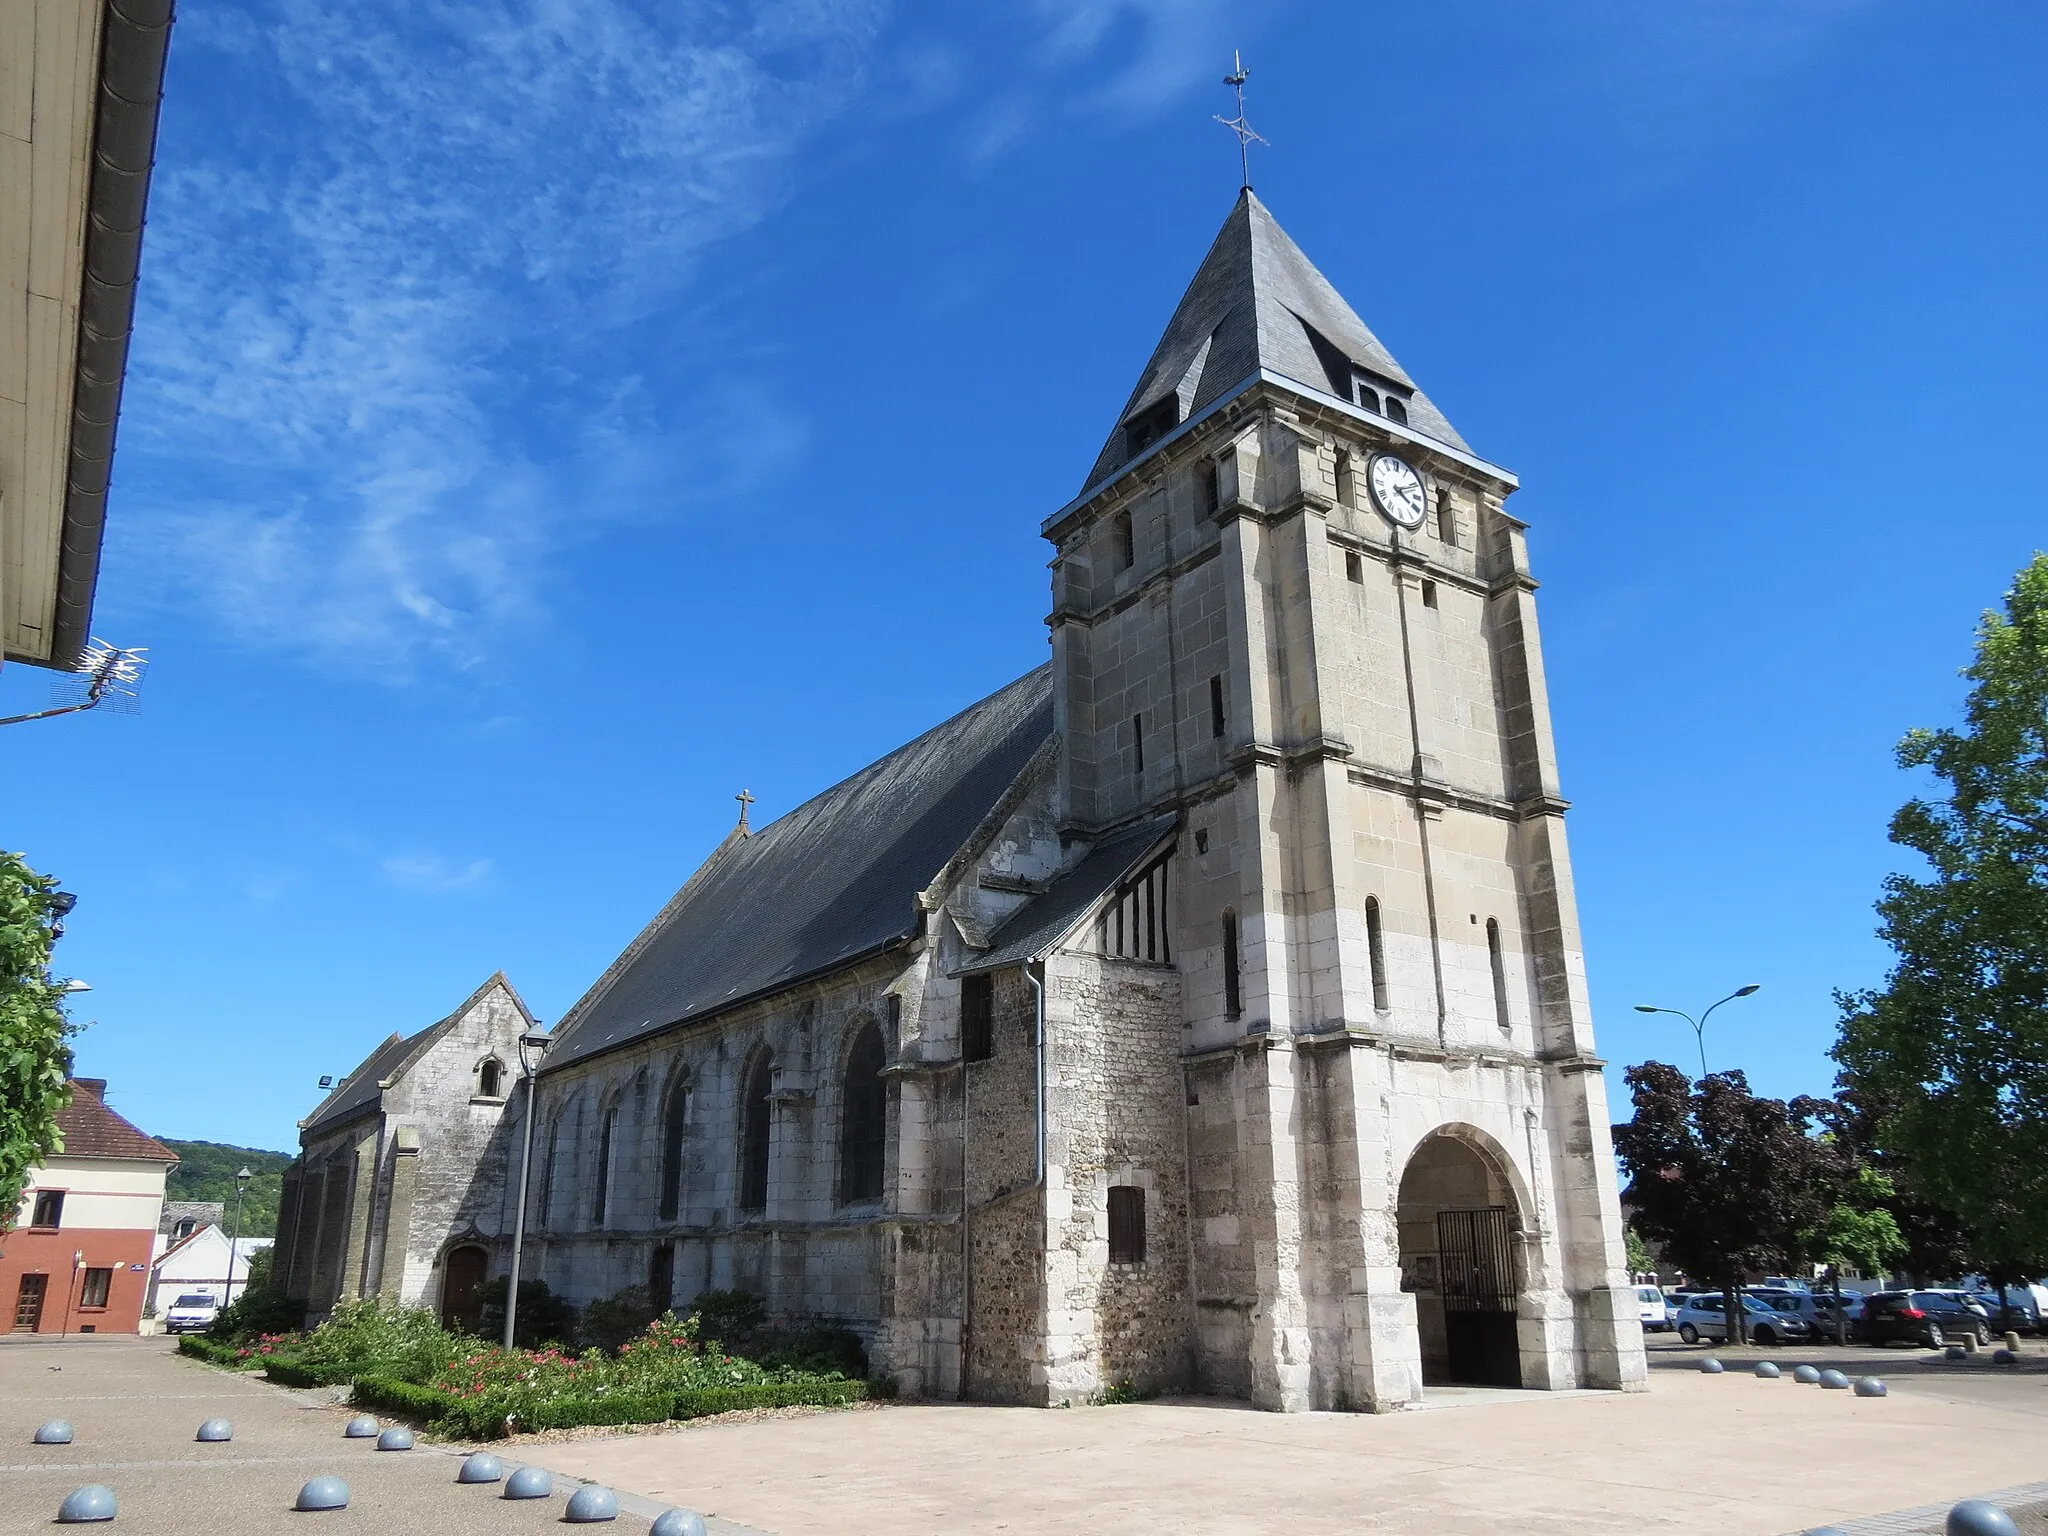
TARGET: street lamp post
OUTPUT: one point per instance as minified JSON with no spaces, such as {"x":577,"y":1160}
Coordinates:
{"x":1732,"y":1301}
{"x":235,"y":1239}
{"x":1699,"y":1025}
{"x":532,"y":1046}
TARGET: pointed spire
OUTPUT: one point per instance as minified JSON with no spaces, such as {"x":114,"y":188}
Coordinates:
{"x":1257,"y":302}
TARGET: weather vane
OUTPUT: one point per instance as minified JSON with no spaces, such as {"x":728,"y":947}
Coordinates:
{"x":1246,"y":135}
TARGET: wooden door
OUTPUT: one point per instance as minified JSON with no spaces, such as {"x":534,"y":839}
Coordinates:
{"x":28,"y":1306}
{"x":462,"y":1273}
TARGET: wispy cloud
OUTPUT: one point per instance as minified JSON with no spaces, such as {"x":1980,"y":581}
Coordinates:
{"x":432,"y":873}
{"x":368,"y":300}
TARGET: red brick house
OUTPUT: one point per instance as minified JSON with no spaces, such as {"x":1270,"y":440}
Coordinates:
{"x":75,"y":1257}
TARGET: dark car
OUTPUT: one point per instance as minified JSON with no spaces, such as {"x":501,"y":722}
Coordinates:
{"x":2017,"y":1312}
{"x":1928,"y":1318}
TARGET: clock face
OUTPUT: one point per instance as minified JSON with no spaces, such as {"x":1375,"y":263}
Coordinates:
{"x":1397,"y":490}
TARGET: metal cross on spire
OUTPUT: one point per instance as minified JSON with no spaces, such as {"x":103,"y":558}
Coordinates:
{"x":1246,"y":135}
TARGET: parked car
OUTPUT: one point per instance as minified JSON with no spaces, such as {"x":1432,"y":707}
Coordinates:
{"x":2014,"y":1310}
{"x":1815,"y":1308}
{"x":1701,"y":1316}
{"x":1650,"y":1305}
{"x":192,"y":1312}
{"x":1927,"y":1318}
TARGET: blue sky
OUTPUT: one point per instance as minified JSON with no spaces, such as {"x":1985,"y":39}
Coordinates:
{"x":547,"y":419}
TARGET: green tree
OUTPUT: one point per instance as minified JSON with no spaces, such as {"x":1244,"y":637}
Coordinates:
{"x":206,"y":1171}
{"x":1641,"y":1261}
{"x":35,"y":1053}
{"x":1955,"y":1044}
{"x":1724,"y":1181}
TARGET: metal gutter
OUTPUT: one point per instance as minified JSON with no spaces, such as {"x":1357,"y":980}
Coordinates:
{"x":135,"y":38}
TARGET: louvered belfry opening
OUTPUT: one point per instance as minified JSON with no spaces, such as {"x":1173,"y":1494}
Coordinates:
{"x":1134,"y":924}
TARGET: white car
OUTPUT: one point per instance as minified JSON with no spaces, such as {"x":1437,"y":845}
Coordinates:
{"x":192,"y":1312}
{"x":1656,"y":1316}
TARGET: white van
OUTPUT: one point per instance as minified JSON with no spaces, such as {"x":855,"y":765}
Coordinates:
{"x":1656,"y":1317}
{"x":192,"y":1312}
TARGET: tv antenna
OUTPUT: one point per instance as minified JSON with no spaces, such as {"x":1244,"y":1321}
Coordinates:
{"x":107,"y":676}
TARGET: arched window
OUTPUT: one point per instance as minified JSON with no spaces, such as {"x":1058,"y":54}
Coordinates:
{"x":1376,"y":952}
{"x":674,"y":1122}
{"x":1446,"y":519}
{"x":1397,"y":409}
{"x":863,"y":1119}
{"x":490,"y":1078}
{"x":1500,"y":975}
{"x":1347,"y":484}
{"x":756,"y":1133}
{"x":1233,"y":989}
{"x":606,"y":1131}
{"x":1370,"y":397}
{"x":546,"y":1209}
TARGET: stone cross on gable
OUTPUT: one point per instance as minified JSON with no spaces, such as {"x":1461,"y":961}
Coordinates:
{"x":745,"y":799}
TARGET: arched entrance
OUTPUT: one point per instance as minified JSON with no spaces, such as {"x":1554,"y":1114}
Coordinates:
{"x":462,"y":1271}
{"x":1460,"y":1229}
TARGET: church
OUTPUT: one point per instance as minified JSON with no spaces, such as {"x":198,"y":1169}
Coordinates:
{"x":1203,"y":1011}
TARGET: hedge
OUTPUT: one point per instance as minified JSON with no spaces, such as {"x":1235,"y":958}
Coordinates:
{"x":481,"y":1420}
{"x":288,"y":1374}
{"x":227,"y":1356}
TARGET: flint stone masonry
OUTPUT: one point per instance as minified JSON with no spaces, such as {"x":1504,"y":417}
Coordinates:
{"x":1267,"y":872}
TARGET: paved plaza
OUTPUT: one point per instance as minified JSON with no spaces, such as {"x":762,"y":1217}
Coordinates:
{"x":1731,"y":1455}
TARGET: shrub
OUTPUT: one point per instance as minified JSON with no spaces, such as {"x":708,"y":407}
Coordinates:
{"x":544,"y":1317}
{"x":213,"y":1352}
{"x":378,"y":1337}
{"x":731,"y":1316}
{"x":254,"y":1313}
{"x":612,"y":1323}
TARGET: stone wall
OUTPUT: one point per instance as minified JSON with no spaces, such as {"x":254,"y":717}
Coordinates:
{"x":1116,"y":1118}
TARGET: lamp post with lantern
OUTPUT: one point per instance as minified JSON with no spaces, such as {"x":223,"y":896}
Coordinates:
{"x":533,"y":1045}
{"x":235,"y":1239}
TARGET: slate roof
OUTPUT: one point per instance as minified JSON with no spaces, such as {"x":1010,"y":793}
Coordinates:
{"x":835,"y":879}
{"x":1258,"y":302}
{"x":1041,"y":923}
{"x":360,"y":1091}
{"x":90,"y":1129}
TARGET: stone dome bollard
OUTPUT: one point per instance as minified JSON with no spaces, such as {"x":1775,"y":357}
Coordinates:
{"x":1768,"y":1370}
{"x":1870,"y":1386}
{"x":84,"y":1506}
{"x":362,"y":1426}
{"x":592,"y":1503}
{"x":1711,"y":1367}
{"x":54,"y":1432}
{"x":323,"y":1493}
{"x":215,"y":1430}
{"x":1833,"y":1381}
{"x":480,"y":1467}
{"x":1980,"y":1517}
{"x":530,"y":1483}
{"x":1956,"y":1352}
{"x":396,"y":1438}
{"x":1808,"y":1374}
{"x":678,"y":1522}
{"x":2005,"y":1357}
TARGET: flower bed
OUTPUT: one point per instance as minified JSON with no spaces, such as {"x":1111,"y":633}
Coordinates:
{"x":402,"y":1361}
{"x":486,"y":1418}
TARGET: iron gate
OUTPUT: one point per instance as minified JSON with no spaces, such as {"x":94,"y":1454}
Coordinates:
{"x":1476,"y":1280}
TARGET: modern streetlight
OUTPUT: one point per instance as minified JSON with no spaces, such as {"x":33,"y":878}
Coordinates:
{"x":241,"y":1183}
{"x":75,"y":985}
{"x":1699,"y":1025}
{"x":532,"y":1046}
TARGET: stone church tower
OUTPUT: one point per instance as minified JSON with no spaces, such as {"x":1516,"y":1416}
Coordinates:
{"x":1291,"y":611}
{"x":1204,"y":1010}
